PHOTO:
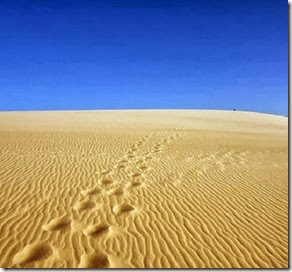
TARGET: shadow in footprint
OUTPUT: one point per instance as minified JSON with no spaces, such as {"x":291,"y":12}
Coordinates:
{"x":84,"y":205}
{"x":93,"y":191}
{"x":105,"y":182}
{"x":57,"y":224}
{"x":135,"y":175}
{"x":120,"y":166}
{"x":122,"y":208}
{"x":33,"y":252}
{"x":118,"y":191}
{"x":96,"y":230}
{"x":133,"y":184}
{"x":139,"y":161}
{"x":94,"y":261}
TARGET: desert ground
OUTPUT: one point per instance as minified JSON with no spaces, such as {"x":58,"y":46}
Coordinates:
{"x":143,"y":188}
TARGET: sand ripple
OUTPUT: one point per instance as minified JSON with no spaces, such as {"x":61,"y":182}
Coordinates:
{"x":155,"y":189}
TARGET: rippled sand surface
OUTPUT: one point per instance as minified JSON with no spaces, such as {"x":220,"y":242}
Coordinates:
{"x":143,"y":189}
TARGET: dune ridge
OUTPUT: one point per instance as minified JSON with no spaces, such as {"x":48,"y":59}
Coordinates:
{"x":143,"y":189}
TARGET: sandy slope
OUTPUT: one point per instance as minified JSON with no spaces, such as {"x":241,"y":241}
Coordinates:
{"x":143,"y":189}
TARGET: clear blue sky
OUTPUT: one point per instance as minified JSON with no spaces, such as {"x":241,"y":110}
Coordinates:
{"x":115,"y":54}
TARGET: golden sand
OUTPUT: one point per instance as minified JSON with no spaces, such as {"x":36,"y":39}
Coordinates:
{"x":143,"y":189}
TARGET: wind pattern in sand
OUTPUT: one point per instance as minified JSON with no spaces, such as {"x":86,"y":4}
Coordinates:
{"x":143,"y":189}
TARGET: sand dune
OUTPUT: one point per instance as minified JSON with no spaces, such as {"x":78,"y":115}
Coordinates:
{"x":162,"y":189}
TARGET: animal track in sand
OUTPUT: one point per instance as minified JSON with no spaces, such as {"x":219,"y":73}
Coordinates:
{"x":96,"y":230}
{"x":57,"y":224}
{"x":84,"y":205}
{"x":122,"y":208}
{"x":94,"y":261}
{"x":33,"y":252}
{"x":93,"y":191}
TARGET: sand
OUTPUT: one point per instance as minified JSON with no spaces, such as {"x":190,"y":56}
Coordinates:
{"x":154,"y":189}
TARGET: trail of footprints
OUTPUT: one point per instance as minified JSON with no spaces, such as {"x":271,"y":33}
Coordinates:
{"x":41,"y":251}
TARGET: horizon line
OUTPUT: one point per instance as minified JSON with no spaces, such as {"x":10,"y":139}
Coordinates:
{"x":144,"y":109}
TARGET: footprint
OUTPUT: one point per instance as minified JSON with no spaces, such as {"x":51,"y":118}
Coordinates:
{"x":134,"y":184}
{"x":33,"y":252}
{"x":84,"y":205}
{"x":122,"y":208}
{"x":120,"y":166}
{"x":57,"y":224}
{"x":96,"y":230}
{"x":93,"y":191}
{"x":105,"y":182}
{"x":118,"y":191}
{"x":94,"y":261}
{"x":139,"y":161}
{"x":136,"y":175}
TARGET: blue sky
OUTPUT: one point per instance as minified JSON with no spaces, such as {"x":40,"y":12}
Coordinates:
{"x":112,"y":54}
